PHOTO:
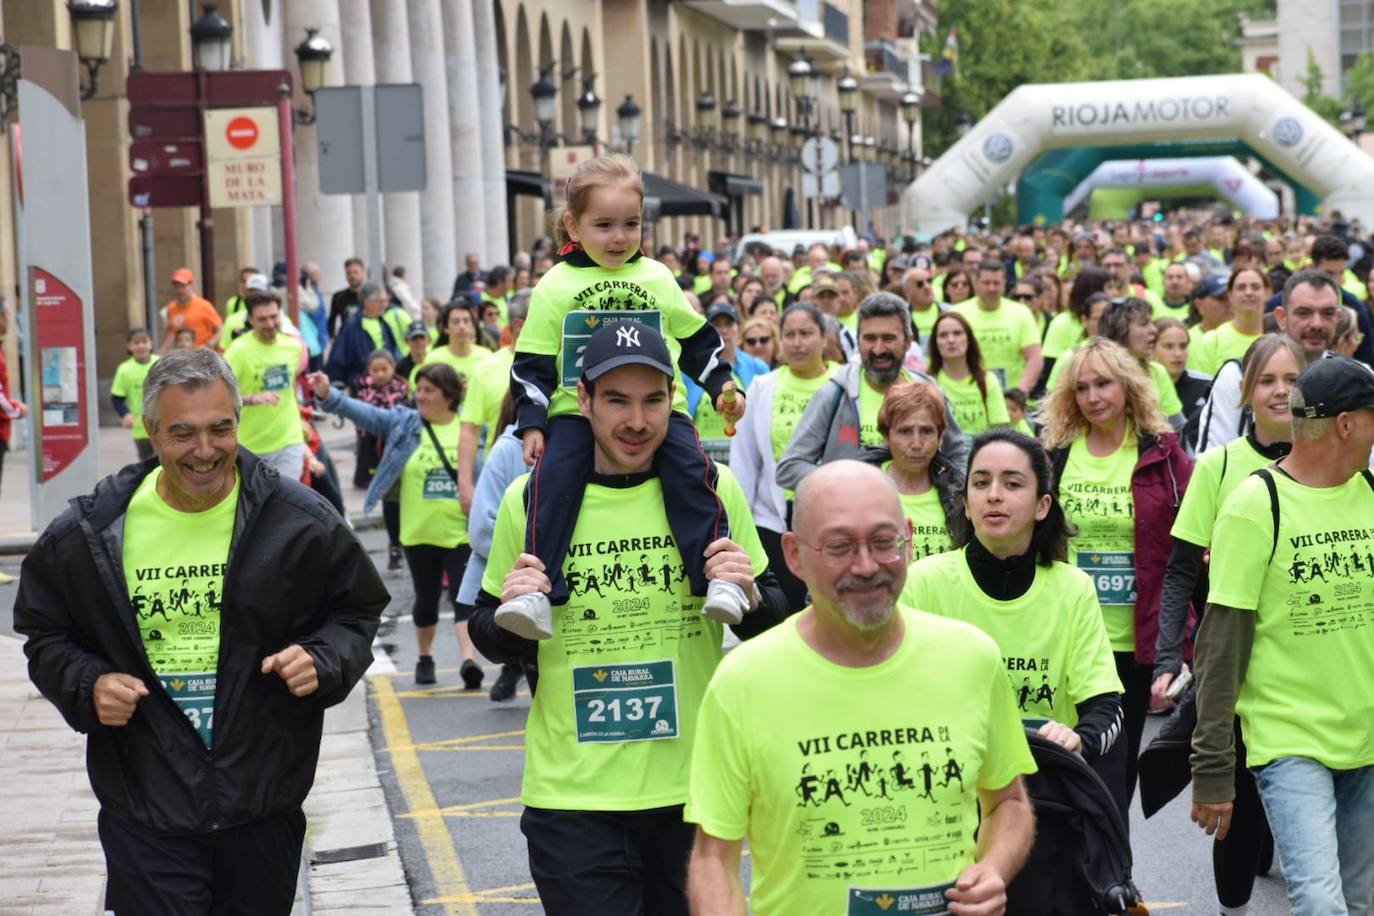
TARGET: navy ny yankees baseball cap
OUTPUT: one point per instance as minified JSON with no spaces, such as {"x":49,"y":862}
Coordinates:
{"x":625,"y":343}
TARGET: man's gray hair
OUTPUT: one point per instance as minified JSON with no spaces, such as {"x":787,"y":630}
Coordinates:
{"x":1305,"y":429}
{"x":519,"y":305}
{"x":370,"y":290}
{"x":189,"y":369}
{"x":886,"y":305}
{"x":1309,"y":277}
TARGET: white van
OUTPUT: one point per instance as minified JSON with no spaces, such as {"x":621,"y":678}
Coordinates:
{"x":785,"y":240}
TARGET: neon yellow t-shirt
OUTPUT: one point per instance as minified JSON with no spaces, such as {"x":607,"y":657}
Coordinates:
{"x":463,"y":365}
{"x":971,"y":410}
{"x":929,"y":527}
{"x":860,"y":797}
{"x":1054,"y":644}
{"x":267,"y":368}
{"x":430,"y":511}
{"x":1309,"y":688}
{"x":1003,"y":334}
{"x":1165,"y":310}
{"x":1096,"y":496}
{"x":174,"y":564}
{"x":924,"y":321}
{"x":1064,"y":333}
{"x":1197,"y":349}
{"x":850,"y":321}
{"x":501,"y":304}
{"x":621,"y":680}
{"x":397,"y":319}
{"x":488,"y":384}
{"x":791,"y":394}
{"x":1216,"y":475}
{"x":870,"y":402}
{"x":1218,"y":345}
{"x":569,"y":303}
{"x":128,"y":384}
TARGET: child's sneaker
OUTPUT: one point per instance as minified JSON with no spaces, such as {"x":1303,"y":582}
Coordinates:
{"x":725,"y":601}
{"x":529,"y":615}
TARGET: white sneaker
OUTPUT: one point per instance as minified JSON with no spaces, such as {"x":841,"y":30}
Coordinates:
{"x":725,"y":601}
{"x":529,"y":615}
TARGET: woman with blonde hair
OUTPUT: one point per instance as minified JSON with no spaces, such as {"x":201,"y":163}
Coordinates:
{"x":1120,"y":472}
{"x":759,"y":337}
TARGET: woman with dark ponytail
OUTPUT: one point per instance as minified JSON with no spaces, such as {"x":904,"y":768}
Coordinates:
{"x":1008,"y":577}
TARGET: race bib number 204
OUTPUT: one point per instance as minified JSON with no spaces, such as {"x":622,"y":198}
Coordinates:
{"x":629,"y":702}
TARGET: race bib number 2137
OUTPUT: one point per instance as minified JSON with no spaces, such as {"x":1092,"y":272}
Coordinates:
{"x":628,"y":702}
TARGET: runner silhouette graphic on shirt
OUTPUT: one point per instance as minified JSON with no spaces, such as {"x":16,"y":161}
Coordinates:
{"x":927,"y":777}
{"x":832,"y":788}
{"x":1046,"y":693}
{"x":1023,"y":693}
{"x":901,"y":776}
{"x":952,"y":769}
{"x":807,"y":787}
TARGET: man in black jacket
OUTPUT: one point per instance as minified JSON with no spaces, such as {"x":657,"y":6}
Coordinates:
{"x":194,"y":616}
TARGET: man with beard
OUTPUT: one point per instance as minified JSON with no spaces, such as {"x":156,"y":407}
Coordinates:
{"x":843,"y":415}
{"x":843,"y":660}
{"x":1310,"y":304}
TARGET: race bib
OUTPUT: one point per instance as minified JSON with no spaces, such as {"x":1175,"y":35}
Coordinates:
{"x":194,"y":695}
{"x":276,"y":378}
{"x":579,"y":325}
{"x":929,"y":900}
{"x":439,"y":485}
{"x":630,"y":702}
{"x":1113,"y":575}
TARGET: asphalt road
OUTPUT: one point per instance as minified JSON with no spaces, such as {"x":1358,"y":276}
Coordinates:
{"x":470,"y":751}
{"x":450,"y":762}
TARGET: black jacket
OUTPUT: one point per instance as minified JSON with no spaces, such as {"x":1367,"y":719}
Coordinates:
{"x":296,"y":574}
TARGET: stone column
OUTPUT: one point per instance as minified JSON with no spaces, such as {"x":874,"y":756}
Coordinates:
{"x":490,"y":129}
{"x":437,"y":214}
{"x":324,"y":222}
{"x":466,"y":114}
{"x":359,"y":69}
{"x":400,"y":212}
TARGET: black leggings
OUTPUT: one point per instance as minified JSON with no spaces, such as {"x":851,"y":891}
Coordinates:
{"x":695,"y":513}
{"x":391,"y":515}
{"x":1122,"y":761}
{"x":1235,"y":860}
{"x":427,"y":567}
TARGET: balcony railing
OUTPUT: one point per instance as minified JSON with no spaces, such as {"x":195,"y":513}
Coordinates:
{"x":881,"y":57}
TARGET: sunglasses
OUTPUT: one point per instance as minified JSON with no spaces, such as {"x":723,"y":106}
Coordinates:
{"x":758,"y":341}
{"x":1023,"y":297}
{"x":920,"y":284}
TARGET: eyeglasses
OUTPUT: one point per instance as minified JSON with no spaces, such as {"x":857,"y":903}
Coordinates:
{"x":758,"y":341}
{"x":883,"y":548}
{"x":919,"y":284}
{"x":1023,"y":297}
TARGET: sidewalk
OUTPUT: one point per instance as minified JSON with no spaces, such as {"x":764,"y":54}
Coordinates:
{"x":117,"y":450}
{"x":50,"y":858}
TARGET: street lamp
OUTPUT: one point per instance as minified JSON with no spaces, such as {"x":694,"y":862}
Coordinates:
{"x":911,"y":111}
{"x":313,"y":56}
{"x":729,"y":125}
{"x":758,"y":132}
{"x":211,"y":40}
{"x":588,"y":108}
{"x":706,"y":117}
{"x":93,"y":22}
{"x":544,"y":94}
{"x":848,"y":88}
{"x":628,"y":114}
{"x":803,"y":78}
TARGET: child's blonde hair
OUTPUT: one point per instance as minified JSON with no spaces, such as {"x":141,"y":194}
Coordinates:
{"x":612,"y":168}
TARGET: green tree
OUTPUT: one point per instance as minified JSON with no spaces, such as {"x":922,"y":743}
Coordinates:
{"x":1359,"y":84}
{"x":1314,"y":95}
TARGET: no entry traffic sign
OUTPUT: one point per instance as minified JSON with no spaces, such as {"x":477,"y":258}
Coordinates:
{"x":242,"y":133}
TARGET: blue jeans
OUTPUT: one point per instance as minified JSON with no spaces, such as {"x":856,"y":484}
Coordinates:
{"x":1323,"y":824}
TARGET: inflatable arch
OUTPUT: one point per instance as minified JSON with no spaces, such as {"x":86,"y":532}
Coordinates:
{"x":1249,"y":107}
{"x":1231,"y":181}
{"x":1043,"y":185}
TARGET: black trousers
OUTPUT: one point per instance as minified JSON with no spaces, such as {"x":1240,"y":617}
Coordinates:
{"x":792,"y":587}
{"x":1135,"y":705}
{"x":427,"y":567}
{"x":249,"y":870}
{"x":391,"y":516}
{"x":609,"y":863}
{"x":553,"y":495}
{"x":1235,"y":860}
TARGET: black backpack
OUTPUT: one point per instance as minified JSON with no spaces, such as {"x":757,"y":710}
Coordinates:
{"x":1081,"y":861}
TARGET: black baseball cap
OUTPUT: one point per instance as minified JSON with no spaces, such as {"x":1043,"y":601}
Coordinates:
{"x":1333,"y":386}
{"x":717,"y":309}
{"x":1211,"y":286}
{"x":625,"y":343}
{"x":417,"y":329}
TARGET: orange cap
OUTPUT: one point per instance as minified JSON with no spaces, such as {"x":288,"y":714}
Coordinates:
{"x":182,"y":275}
